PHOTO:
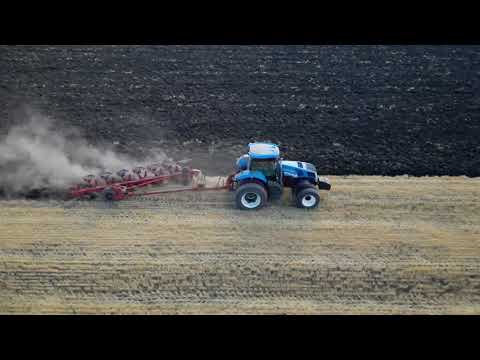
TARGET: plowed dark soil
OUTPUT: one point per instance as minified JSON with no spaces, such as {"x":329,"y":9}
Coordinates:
{"x":384,"y":110}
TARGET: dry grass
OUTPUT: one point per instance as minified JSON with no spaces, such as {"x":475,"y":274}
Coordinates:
{"x":377,"y":245}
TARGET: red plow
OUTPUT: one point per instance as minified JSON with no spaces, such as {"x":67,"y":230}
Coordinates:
{"x":125,"y":184}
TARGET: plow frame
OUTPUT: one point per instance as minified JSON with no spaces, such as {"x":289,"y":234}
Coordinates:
{"x":122,"y":190}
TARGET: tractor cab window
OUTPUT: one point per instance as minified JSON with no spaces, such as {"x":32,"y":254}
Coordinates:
{"x":268,"y":167}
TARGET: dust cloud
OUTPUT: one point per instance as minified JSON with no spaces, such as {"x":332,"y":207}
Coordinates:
{"x":39,"y":153}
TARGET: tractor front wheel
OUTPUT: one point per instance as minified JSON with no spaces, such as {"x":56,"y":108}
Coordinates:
{"x":307,"y":198}
{"x":250,"y":196}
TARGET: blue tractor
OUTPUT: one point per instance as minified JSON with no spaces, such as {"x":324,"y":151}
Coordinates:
{"x":262,"y":175}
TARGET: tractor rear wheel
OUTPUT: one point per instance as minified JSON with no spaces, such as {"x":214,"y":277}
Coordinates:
{"x":250,"y":196}
{"x":307,"y":198}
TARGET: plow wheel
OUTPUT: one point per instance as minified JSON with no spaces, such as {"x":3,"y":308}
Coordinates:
{"x":186,"y":176}
{"x":108,"y":194}
{"x":91,"y":196}
{"x":115,"y":192}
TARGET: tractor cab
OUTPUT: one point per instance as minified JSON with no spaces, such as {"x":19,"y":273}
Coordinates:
{"x":262,"y":161}
{"x":264,"y":158}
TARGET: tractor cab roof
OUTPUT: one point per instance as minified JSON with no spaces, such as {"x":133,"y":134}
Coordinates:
{"x":263,"y":151}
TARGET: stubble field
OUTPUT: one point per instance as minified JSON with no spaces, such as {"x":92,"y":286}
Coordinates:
{"x":376,"y":245}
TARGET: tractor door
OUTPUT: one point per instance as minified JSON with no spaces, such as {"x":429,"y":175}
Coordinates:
{"x":272,"y":171}
{"x":267,"y":167}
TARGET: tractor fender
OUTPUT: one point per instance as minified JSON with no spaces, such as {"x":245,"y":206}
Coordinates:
{"x":300,"y":185}
{"x":322,"y":184}
{"x":303,"y":183}
{"x":253,"y":181}
{"x":250,"y":176}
